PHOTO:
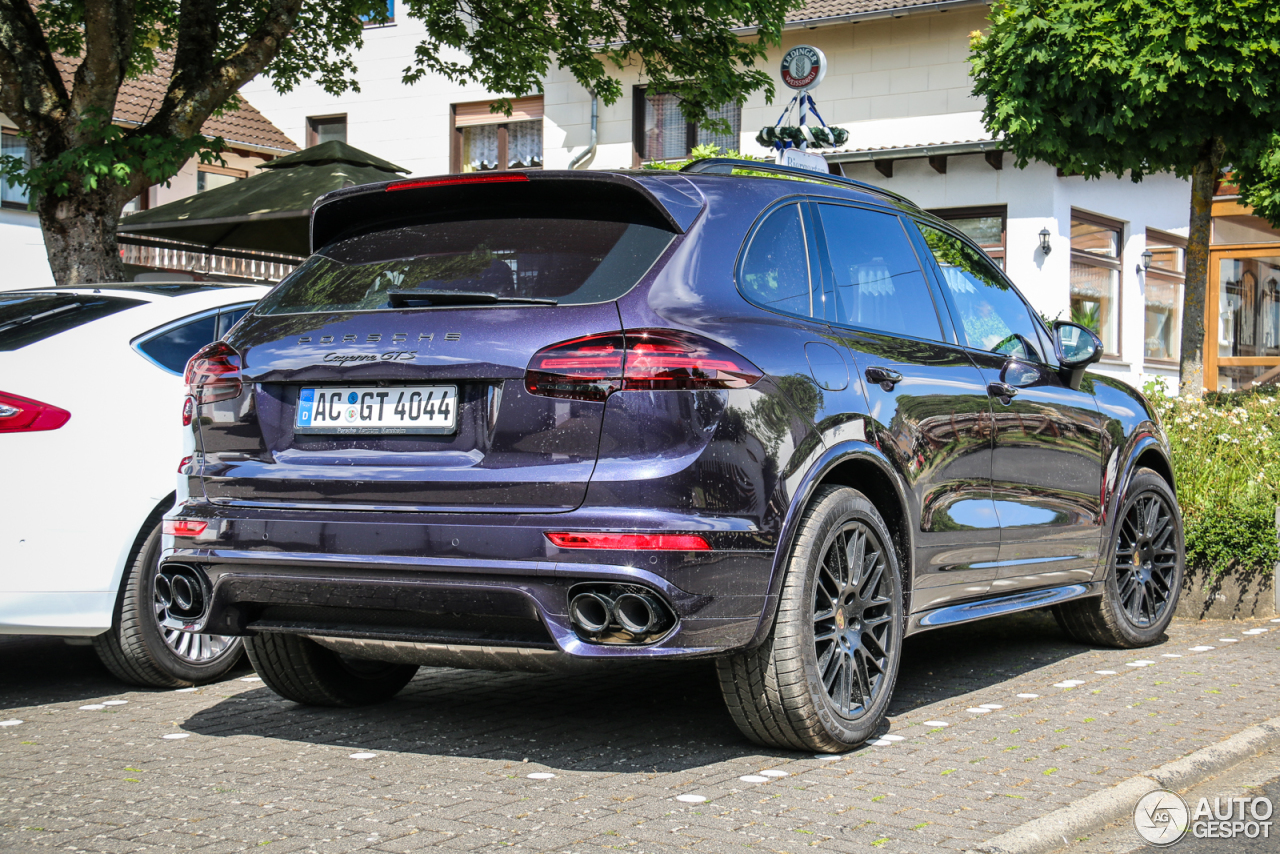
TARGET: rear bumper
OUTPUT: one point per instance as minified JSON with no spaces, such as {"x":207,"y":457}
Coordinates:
{"x":463,"y":581}
{"x":60,"y":613}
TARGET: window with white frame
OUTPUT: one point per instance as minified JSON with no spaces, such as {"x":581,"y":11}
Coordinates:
{"x":1162,"y":295}
{"x":14,"y":195}
{"x":485,"y":141}
{"x":985,"y":226}
{"x":662,"y":132}
{"x":1095,"y":276}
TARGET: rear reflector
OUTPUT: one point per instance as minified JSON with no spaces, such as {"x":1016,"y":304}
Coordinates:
{"x":633,"y":542}
{"x":593,"y":367}
{"x":184,"y":462}
{"x":482,"y":178}
{"x":214,"y":373}
{"x":24,"y":415}
{"x":183,"y":527}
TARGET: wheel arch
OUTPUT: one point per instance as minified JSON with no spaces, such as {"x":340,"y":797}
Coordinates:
{"x":130,"y":552}
{"x":864,"y":467}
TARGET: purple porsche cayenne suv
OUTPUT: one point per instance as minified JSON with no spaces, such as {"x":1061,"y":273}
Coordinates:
{"x":555,"y":420}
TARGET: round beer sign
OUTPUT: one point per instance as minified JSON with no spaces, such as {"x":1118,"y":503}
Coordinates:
{"x":803,"y":67}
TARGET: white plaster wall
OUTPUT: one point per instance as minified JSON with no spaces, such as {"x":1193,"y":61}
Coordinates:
{"x":25,"y":264}
{"x":408,"y":125}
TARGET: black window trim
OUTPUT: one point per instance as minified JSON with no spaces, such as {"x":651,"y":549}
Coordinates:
{"x":934,"y":270}
{"x":825,"y":255}
{"x":147,"y":336}
{"x":805,"y":228}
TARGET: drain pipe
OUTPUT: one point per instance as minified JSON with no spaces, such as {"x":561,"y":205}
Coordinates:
{"x":587,"y":152}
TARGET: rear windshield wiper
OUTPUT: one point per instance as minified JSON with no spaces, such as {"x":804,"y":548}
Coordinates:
{"x":32,"y":318}
{"x":406,"y":298}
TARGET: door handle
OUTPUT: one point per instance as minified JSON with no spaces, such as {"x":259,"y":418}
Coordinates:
{"x":886,"y":378}
{"x":1004,"y":391}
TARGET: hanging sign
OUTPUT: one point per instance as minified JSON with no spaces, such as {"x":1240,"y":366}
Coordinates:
{"x":803,"y":67}
{"x":803,"y":160}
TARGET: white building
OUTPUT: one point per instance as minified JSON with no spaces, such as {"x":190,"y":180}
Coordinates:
{"x":898,"y":81}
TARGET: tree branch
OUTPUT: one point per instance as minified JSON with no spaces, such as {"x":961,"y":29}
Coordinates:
{"x":31,"y":89}
{"x":108,"y":43}
{"x":199,"y":87}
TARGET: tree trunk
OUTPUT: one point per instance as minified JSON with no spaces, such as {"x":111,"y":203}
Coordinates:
{"x":80,"y":235}
{"x":1203,"y":181}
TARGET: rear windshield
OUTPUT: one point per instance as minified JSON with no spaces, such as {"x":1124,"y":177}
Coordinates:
{"x":567,"y":261}
{"x":27,"y":318}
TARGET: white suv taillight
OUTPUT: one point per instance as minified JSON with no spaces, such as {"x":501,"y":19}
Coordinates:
{"x":214,"y":373}
{"x":595,"y":366}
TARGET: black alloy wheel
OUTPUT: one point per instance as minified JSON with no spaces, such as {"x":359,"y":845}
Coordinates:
{"x":1144,"y":572}
{"x":853,"y":628}
{"x":1147,"y":559}
{"x":823,"y":678}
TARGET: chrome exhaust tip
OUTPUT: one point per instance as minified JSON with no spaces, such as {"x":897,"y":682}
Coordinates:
{"x":614,"y":613}
{"x":591,"y":612}
{"x":181,"y":590}
{"x":638,"y":613}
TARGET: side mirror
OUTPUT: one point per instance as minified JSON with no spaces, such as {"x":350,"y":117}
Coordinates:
{"x":1077,"y":348}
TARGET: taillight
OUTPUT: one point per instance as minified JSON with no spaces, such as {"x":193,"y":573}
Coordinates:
{"x":595,"y":366}
{"x":636,"y":542}
{"x":183,"y":463}
{"x":24,"y":415}
{"x":214,"y":373}
{"x":587,"y":368}
{"x":183,"y":527}
{"x":663,"y":359}
{"x":188,"y":410}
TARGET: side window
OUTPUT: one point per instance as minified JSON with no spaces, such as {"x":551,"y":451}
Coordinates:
{"x":775,"y":271}
{"x":878,"y":283}
{"x":992,"y":315}
{"x":172,"y":349}
{"x":228,"y":319}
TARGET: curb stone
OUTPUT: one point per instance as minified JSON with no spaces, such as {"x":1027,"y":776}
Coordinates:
{"x":1055,"y":830}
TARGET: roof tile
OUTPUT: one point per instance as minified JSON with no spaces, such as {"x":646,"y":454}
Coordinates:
{"x":141,"y":96}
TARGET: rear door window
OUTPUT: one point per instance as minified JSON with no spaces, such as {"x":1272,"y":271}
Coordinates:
{"x":775,"y":268}
{"x":877,"y":279}
{"x":565,"y":261}
{"x":27,"y":318}
{"x":173,"y":348}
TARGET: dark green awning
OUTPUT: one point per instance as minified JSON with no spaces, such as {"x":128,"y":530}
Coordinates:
{"x":269,"y":211}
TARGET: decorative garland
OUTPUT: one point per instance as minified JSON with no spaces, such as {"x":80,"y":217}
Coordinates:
{"x":821,"y":136}
{"x":793,"y":136}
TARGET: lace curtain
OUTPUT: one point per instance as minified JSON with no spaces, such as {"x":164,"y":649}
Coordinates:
{"x":480,"y":148}
{"x":524,"y":145}
{"x":481,"y":152}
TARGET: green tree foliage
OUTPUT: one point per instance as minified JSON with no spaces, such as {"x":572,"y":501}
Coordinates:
{"x":86,"y":168}
{"x":1133,"y":88}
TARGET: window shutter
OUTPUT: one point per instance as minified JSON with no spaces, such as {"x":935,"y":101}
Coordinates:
{"x":477,"y":113}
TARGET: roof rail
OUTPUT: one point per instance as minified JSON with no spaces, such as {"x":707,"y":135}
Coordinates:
{"x":726,"y":166}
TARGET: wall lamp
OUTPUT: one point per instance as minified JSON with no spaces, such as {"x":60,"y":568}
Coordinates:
{"x":1044,"y":241}
{"x":1146,"y":261}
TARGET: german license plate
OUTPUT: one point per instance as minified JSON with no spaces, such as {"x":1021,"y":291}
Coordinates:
{"x":368,"y":410}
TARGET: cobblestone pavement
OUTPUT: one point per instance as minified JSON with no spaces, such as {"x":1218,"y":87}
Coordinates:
{"x":986,"y":732}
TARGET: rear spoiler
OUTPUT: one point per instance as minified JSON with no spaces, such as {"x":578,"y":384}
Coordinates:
{"x":665,"y":200}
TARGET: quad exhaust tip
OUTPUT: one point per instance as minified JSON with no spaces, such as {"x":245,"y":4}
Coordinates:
{"x":618,"y":614}
{"x":181,"y":590}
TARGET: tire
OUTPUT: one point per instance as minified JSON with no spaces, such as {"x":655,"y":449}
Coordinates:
{"x":791,"y":692}
{"x":138,"y":650}
{"x":1141,"y":588}
{"x":299,"y":669}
